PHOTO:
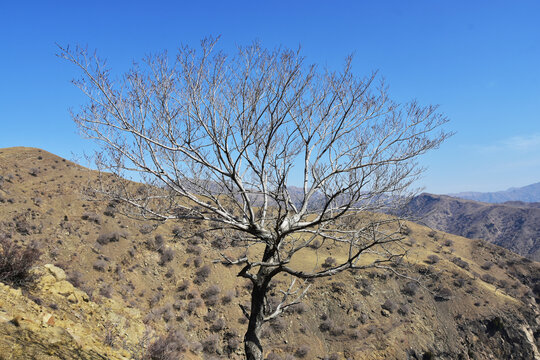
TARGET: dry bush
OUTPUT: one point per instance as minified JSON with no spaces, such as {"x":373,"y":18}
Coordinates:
{"x":146,"y":229}
{"x":34,"y":171}
{"x":169,"y":347}
{"x":212,"y":290}
{"x":167,"y":255}
{"x":16,"y":261}
{"x":329,"y":262}
{"x":106,"y":291}
{"x":432,"y":259}
{"x":194,"y":249}
{"x":302,"y":351}
{"x":210,"y":344}
{"x":490,"y":279}
{"x":109,"y":237}
{"x":75,"y":278}
{"x":405,"y":230}
{"x":390,"y":305}
{"x":218,"y":325}
{"x":410,"y":288}
{"x":448,"y":242}
{"x":487,"y":265}
{"x":92,"y":217}
{"x":100,"y":265}
{"x":461,"y":263}
{"x":333,"y":356}
{"x":202,"y":274}
{"x":326,"y":325}
{"x":444,"y":294}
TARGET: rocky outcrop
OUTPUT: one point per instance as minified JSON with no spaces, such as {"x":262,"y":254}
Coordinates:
{"x":58,"y":321}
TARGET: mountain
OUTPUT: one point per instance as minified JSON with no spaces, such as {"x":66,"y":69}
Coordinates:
{"x":529,"y":193}
{"x":110,"y":287}
{"x":512,"y":225}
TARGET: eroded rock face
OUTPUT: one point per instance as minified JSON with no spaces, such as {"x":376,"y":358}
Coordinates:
{"x":76,"y":329}
{"x":500,"y":338}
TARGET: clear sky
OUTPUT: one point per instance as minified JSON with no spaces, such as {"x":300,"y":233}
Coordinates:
{"x":480,"y":60}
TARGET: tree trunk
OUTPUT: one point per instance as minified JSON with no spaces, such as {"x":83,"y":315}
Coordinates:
{"x":252,"y":343}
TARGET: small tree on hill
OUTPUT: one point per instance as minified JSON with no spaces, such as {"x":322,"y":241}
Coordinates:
{"x":223,"y":138}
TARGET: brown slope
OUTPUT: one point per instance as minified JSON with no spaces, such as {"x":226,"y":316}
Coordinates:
{"x":514,"y":226}
{"x":459,"y":311}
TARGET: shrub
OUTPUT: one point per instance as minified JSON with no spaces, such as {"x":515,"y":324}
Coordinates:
{"x":443,"y":294}
{"x":302,"y":351}
{"x":432,"y":259}
{"x":490,"y":279}
{"x":106,"y":291}
{"x":100,"y":265}
{"x":273,"y":356}
{"x":404,"y":309}
{"x":218,"y":325}
{"x":410,"y":288}
{"x":177,"y":231}
{"x":212,"y":290}
{"x":221,"y":243}
{"x":333,"y":356}
{"x":299,"y":308}
{"x":233,"y":344}
{"x":227,"y":298}
{"x":405,"y":230}
{"x":92,"y":217}
{"x":166,"y":256}
{"x":146,"y":229}
{"x":337,"y":330}
{"x":16,"y":261}
{"x":183,"y":286}
{"x":75,"y":278}
{"x":448,"y":242}
{"x":278,"y":324}
{"x":487,"y":265}
{"x":34,"y":171}
{"x":202,"y":274}
{"x":210,"y":344}
{"x":329,"y":262}
{"x":167,"y":347}
{"x":326,"y":325}
{"x":390,"y":305}
{"x":315,"y":244}
{"x":106,"y":238}
{"x":461,"y":263}
{"x":194,"y":249}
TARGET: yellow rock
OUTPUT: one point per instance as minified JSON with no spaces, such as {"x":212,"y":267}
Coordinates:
{"x":72,"y":298}
{"x":58,"y":273}
{"x":48,"y":319}
{"x":63,"y":288}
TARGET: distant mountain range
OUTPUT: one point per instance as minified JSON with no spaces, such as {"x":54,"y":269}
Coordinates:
{"x":529,"y":193}
{"x":512,"y":225}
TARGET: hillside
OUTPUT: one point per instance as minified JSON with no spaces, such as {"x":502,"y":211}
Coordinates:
{"x":133,"y":282}
{"x":514,"y":225}
{"x":529,"y":193}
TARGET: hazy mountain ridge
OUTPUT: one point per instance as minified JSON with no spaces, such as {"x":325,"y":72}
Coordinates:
{"x":477,"y":300}
{"x":512,"y":225}
{"x":529,"y":193}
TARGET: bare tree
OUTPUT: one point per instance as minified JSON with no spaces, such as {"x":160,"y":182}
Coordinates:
{"x":224,"y":138}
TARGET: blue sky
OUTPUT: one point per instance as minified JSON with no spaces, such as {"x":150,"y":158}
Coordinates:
{"x":480,"y":60}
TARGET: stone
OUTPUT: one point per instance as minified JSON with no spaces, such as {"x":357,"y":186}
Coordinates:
{"x":72,"y":298}
{"x":58,"y":273}
{"x":48,"y":319}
